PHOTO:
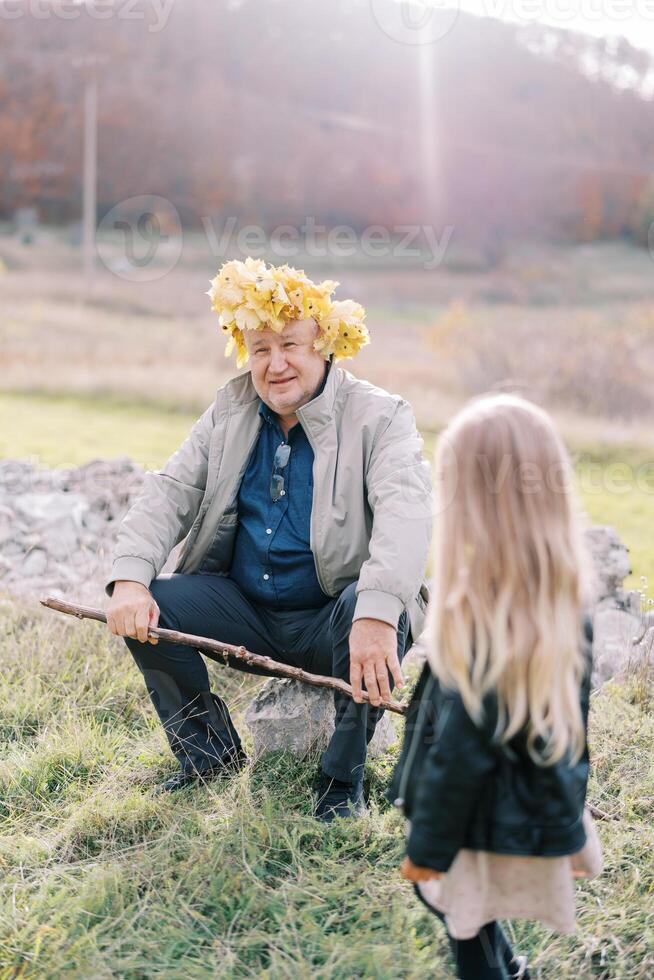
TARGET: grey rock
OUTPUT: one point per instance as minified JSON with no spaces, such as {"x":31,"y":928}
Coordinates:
{"x":50,"y":508}
{"x":614,"y":631}
{"x":35,"y":563}
{"x":619,"y":642}
{"x":95,"y":523}
{"x":295,"y":717}
{"x":633,"y":603}
{"x":12,"y":549}
{"x":6,"y":535}
{"x":61,"y":540}
{"x":611,"y":562}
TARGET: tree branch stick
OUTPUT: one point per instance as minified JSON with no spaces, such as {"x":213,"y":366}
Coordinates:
{"x":221,"y":651}
{"x":598,"y":814}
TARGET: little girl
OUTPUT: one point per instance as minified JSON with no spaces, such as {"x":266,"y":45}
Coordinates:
{"x":492,"y":775}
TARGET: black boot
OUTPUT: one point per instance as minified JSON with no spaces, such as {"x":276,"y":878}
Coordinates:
{"x":222,"y":736}
{"x":337,"y":798}
{"x":189,"y":775}
{"x":198,"y":726}
{"x":223,"y":753}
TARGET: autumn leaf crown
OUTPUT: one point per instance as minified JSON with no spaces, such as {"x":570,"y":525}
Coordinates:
{"x":250,"y":295}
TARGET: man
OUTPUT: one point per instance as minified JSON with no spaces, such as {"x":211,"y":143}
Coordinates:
{"x":305,"y":504}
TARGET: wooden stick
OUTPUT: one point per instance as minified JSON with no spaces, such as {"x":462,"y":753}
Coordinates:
{"x":600,"y":814}
{"x":225,"y":650}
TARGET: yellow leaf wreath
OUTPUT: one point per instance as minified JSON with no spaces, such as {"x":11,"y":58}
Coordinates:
{"x":250,"y":295}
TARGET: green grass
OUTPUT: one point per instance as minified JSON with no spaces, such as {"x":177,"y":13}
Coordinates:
{"x":69,"y":430}
{"x":100,"y":878}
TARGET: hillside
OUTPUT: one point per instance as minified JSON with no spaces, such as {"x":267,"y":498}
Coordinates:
{"x":272,"y":111}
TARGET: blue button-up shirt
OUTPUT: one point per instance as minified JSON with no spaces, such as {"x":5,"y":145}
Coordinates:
{"x":272,"y":560}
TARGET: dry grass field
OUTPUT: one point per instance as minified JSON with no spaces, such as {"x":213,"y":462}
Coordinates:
{"x":572,"y":327}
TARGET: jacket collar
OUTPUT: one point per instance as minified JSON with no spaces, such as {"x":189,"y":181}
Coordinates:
{"x":320,"y":410}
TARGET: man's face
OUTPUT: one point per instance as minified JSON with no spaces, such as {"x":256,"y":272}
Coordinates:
{"x":285,"y":369}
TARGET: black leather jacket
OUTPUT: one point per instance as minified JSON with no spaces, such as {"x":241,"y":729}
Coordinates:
{"x":460,"y":788}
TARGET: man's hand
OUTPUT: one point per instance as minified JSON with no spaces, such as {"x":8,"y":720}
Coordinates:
{"x":131,"y":611}
{"x":412,"y":872}
{"x":373,"y":652}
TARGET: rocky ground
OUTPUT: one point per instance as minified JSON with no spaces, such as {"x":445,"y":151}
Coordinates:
{"x":57,"y":527}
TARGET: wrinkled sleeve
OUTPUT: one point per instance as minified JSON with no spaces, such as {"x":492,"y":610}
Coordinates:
{"x":164,"y":509}
{"x":400,"y":496}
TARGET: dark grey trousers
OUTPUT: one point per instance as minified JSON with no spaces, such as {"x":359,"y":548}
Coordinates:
{"x":196,"y":721}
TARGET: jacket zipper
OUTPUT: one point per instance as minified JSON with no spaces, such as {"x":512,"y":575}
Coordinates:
{"x":313,"y":536}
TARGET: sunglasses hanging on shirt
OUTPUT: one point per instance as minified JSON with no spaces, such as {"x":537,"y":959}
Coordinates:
{"x":280,"y":461}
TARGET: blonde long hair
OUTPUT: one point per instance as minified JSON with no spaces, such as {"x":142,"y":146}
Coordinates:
{"x":510,"y":574}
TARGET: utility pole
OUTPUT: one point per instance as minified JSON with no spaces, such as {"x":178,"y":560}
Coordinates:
{"x":431,"y":177}
{"x":89,"y":199}
{"x":88,"y":65}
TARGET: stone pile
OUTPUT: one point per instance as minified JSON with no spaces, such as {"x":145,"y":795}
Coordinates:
{"x":57,"y":527}
{"x":623,"y":622}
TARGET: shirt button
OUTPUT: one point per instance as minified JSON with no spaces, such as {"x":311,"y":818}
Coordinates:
{"x":266,"y":577}
{"x":268,"y":530}
{"x":282,"y":493}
